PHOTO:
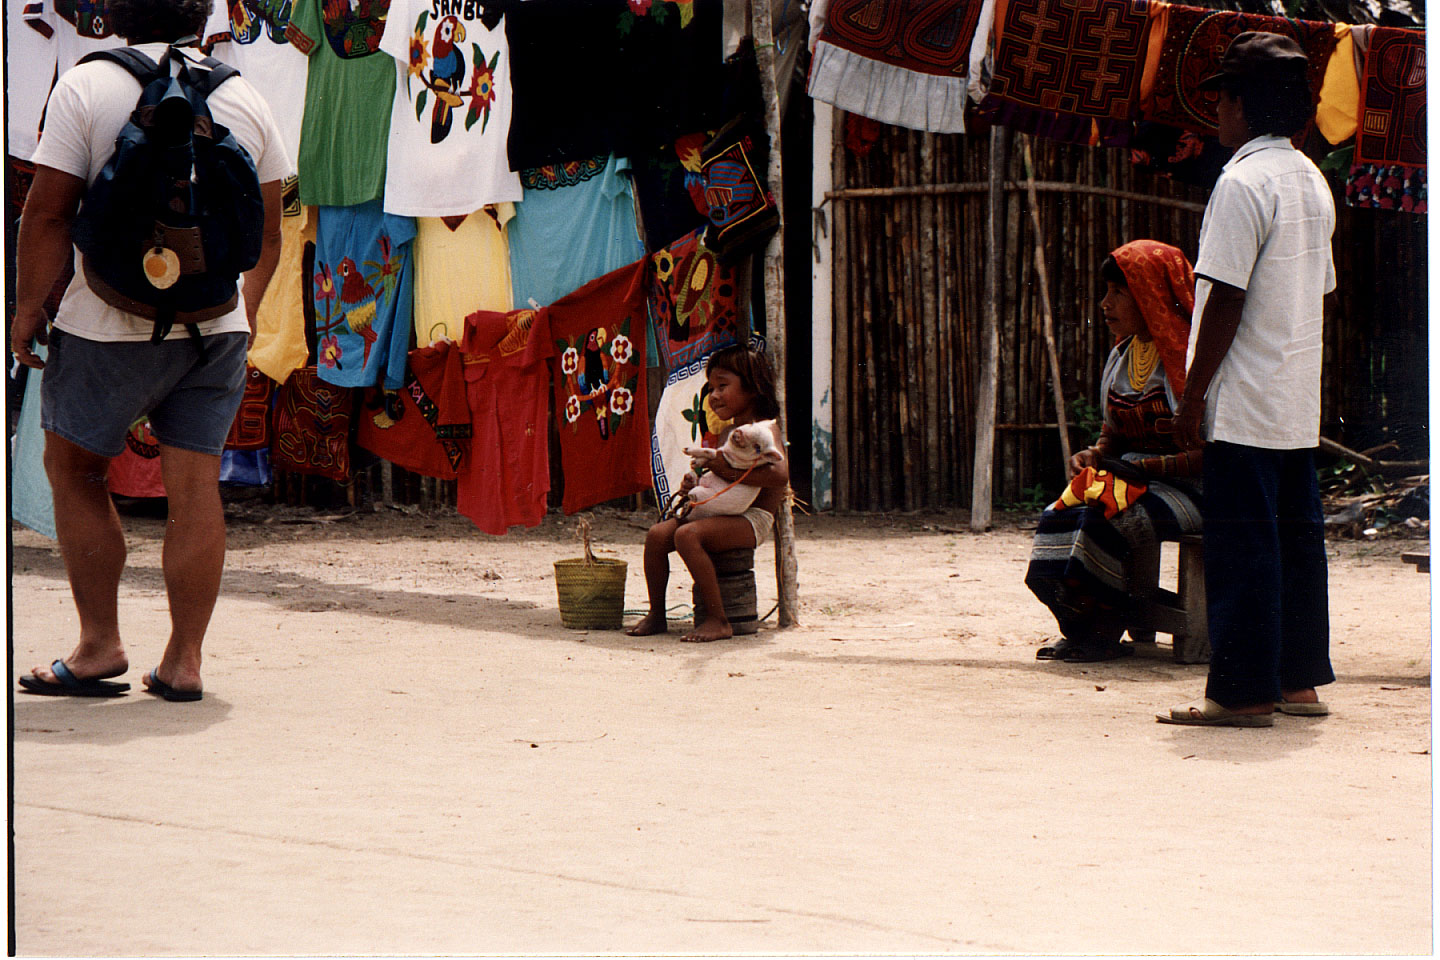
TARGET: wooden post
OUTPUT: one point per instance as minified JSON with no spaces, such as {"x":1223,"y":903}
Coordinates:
{"x":786,"y":566}
{"x":985,"y":397}
{"x":822,"y":325}
{"x":1046,"y":316}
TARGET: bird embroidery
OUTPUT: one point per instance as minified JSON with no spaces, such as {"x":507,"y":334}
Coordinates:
{"x":447,"y":72}
{"x":357,"y":301}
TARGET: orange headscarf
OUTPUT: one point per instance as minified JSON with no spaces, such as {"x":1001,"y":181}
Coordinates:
{"x":1162,"y":282}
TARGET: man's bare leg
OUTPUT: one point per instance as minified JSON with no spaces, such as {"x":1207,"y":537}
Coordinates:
{"x":193,"y":559}
{"x":93,"y":547}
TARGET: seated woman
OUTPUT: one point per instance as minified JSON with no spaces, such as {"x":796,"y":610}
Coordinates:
{"x":1079,"y":564}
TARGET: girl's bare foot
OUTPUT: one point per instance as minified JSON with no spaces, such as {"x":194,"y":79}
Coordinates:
{"x":709,"y":630}
{"x":649,"y":625}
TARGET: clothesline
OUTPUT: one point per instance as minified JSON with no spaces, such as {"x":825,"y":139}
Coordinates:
{"x":1010,"y":186}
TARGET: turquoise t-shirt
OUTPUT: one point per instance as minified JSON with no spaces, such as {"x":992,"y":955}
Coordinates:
{"x":361,"y":289}
{"x":575,"y":223}
{"x":349,"y":90}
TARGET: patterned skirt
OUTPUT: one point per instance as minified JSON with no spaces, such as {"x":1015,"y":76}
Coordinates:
{"x":1080,"y":561}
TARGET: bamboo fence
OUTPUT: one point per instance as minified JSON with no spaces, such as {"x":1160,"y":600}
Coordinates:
{"x":910,"y":255}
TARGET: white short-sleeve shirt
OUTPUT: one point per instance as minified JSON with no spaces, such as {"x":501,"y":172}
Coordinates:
{"x":1267,"y":231}
{"x":88,"y":107}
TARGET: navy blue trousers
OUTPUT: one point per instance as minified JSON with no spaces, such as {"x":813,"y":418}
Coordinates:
{"x":1266,"y":586}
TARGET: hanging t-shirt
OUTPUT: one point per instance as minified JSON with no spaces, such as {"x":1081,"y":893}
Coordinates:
{"x":507,"y":476}
{"x":611,"y":76}
{"x":425,"y":425}
{"x":601,"y":409}
{"x":461,"y":266}
{"x":79,"y":27}
{"x":279,"y":347}
{"x":577,"y":222}
{"x":31,"y":56}
{"x":250,"y":36}
{"x":348,"y":93}
{"x":451,"y":118}
{"x":362,"y":296}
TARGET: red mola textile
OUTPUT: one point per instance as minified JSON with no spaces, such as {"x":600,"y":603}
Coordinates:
{"x":251,"y":429}
{"x":1392,"y":100}
{"x":312,"y":426}
{"x":425,"y":425}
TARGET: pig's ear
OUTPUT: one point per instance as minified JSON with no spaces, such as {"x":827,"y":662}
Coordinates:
{"x":774,"y":456}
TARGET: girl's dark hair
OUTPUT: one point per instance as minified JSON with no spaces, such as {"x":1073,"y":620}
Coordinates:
{"x":144,"y":21}
{"x":755,"y":373}
{"x":1110,"y":272}
{"x":1273,"y":105}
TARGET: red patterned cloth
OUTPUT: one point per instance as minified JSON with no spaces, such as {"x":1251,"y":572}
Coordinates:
{"x":136,"y":472}
{"x":1162,"y":281}
{"x":1392,"y":100}
{"x":692,"y":301}
{"x":251,"y":429}
{"x":927,"y":36}
{"x":425,"y":425}
{"x":312,"y":426}
{"x":1185,"y":47}
{"x":1072,"y":56}
{"x":1095,"y":486}
{"x":601,"y":410}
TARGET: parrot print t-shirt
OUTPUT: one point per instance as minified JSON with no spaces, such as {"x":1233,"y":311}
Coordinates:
{"x":250,"y":35}
{"x":348,"y":90}
{"x":451,"y":118}
{"x":362,"y":296}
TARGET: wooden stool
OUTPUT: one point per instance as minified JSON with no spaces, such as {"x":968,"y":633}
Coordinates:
{"x":1180,"y":614}
{"x":735,"y":569}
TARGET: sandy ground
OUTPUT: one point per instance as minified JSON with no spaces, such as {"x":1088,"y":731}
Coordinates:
{"x":402,"y":751}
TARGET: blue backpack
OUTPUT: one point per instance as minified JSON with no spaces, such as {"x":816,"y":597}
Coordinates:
{"x":175,"y":217}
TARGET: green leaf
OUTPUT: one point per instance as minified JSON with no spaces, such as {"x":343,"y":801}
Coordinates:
{"x":420,"y":103}
{"x":470,"y":118}
{"x":625,"y":23}
{"x":486,"y":122}
{"x":424,"y":19}
{"x":1338,"y":161}
{"x":687,"y":13}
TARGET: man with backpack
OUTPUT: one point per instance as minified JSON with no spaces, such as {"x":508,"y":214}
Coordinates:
{"x":172,"y":202}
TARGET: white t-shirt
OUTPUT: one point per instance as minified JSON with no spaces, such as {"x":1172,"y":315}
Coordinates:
{"x":77,"y":29}
{"x":88,"y":108}
{"x":1267,"y":231}
{"x":450,"y":125}
{"x":31,"y":54}
{"x":251,"y":38}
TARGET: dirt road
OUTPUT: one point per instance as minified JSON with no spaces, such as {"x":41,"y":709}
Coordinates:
{"x":402,"y":751}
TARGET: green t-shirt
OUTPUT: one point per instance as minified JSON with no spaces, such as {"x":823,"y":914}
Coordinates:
{"x":348,"y":95}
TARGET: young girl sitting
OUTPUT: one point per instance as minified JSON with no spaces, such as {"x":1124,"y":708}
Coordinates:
{"x":742,"y":390}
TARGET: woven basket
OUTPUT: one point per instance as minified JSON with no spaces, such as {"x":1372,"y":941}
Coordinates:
{"x":592,"y":595}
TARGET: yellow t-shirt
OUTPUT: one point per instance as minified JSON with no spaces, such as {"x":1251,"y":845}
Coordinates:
{"x":279,"y":347}
{"x":460,"y":271}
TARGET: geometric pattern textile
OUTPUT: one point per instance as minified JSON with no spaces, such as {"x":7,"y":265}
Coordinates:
{"x":312,"y":426}
{"x":1392,"y":99}
{"x":1190,"y":48}
{"x":927,"y":36}
{"x":1387,"y":187}
{"x":692,"y":301}
{"x":1074,"y":56}
{"x":251,"y":429}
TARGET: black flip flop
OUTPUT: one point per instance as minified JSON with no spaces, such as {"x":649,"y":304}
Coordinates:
{"x":162,"y":689}
{"x":70,"y":685}
{"x":1059,"y":650}
{"x":1079,"y":653}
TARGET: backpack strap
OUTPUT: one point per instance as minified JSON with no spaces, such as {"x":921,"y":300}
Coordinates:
{"x":141,"y":67}
{"x":208,"y":74}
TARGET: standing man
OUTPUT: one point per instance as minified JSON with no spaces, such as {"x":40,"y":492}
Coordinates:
{"x":1252,"y":397}
{"x":103,"y":374}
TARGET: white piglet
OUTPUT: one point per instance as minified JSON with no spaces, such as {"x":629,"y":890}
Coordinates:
{"x":748,"y":445}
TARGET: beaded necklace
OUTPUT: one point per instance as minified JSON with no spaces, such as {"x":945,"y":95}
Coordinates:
{"x":1144,"y":355}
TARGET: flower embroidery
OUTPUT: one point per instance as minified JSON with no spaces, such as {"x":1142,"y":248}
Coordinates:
{"x":324,"y":284}
{"x":620,"y":401}
{"x":330,"y":351}
{"x":570,"y":361}
{"x":687,"y":149}
{"x":419,"y":55}
{"x":639,"y":7}
{"x":664,"y":265}
{"x":621,"y":349}
{"x":572,"y":408}
{"x":482,"y":87}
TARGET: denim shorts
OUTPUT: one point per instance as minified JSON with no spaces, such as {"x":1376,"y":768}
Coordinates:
{"x":93,"y":392}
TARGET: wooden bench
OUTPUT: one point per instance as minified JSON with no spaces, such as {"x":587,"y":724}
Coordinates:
{"x":1180,"y":612}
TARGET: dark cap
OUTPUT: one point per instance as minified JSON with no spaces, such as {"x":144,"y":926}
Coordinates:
{"x":1258,"y":54}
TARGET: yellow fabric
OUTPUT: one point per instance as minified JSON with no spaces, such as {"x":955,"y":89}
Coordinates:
{"x":1339,"y":109}
{"x":279,"y":347}
{"x":460,"y":271}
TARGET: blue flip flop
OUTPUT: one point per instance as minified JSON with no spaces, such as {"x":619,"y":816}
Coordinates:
{"x":70,"y":685}
{"x":162,"y":689}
